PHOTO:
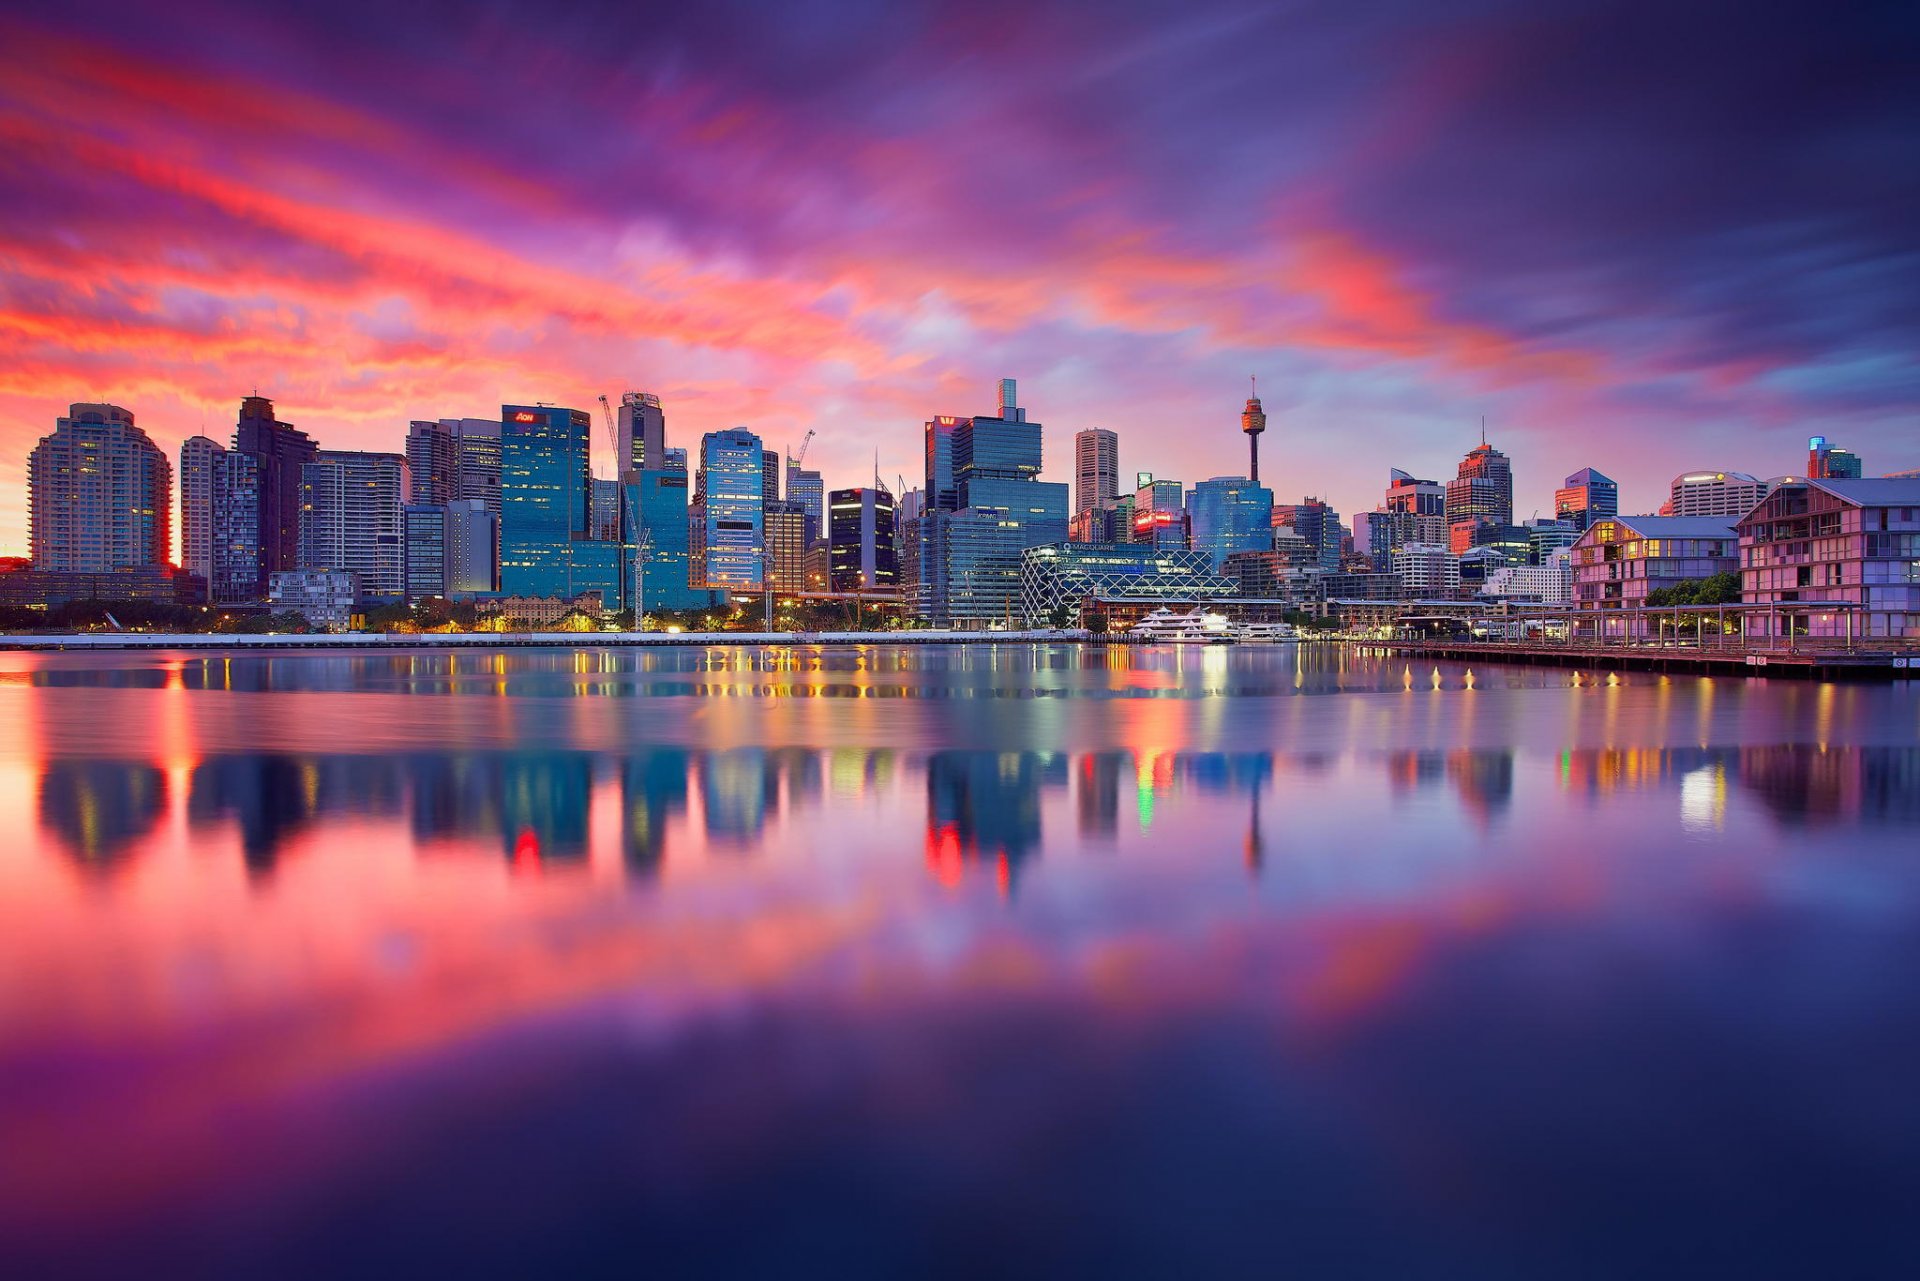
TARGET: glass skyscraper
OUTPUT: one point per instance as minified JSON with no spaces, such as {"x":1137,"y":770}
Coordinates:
{"x":733,"y":486}
{"x":659,"y":508}
{"x":546,"y":486}
{"x":1229,"y":514}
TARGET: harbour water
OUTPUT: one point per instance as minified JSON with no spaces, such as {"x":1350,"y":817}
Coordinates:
{"x":985,"y":961}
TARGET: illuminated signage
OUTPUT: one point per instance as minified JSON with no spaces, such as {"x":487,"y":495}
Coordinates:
{"x":523,"y":416}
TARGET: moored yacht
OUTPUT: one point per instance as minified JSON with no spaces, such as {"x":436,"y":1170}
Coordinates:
{"x":1196,"y":627}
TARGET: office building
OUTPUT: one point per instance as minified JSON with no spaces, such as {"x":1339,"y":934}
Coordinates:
{"x":943,"y":490}
{"x":1852,"y":541}
{"x":1617,"y":562}
{"x":1229,"y":514}
{"x":1318,"y":524}
{"x":606,"y":511}
{"x":1548,"y":583}
{"x":99,"y":494}
{"x":1159,"y":512}
{"x":199,"y":457}
{"x":805,"y":487}
{"x":769,"y":476}
{"x":1544,"y":537}
{"x":424,"y":534}
{"x":732,"y":493}
{"x":677,"y":460}
{"x":546,"y":498}
{"x":786,"y":529}
{"x":860,"y":544}
{"x":1713,"y":493}
{"x":640,"y":435}
{"x":1096,"y":468}
{"x":433,"y":464}
{"x":279,"y":452}
{"x":350,"y":518}
{"x":1586,"y":497}
{"x":1100,"y":525}
{"x":1830,"y":462}
{"x":1078,"y":576}
{"x":663,"y":534}
{"x":908,"y":513}
{"x":1482,"y":491}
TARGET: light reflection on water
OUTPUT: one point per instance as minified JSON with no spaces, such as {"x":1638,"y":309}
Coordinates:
{"x":1025,"y":958}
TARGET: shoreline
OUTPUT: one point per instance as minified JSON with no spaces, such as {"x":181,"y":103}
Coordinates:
{"x":111,"y":641}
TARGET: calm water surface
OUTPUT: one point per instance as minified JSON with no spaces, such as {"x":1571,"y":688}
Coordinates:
{"x":952,"y":962}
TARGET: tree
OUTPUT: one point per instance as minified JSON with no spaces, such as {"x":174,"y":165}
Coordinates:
{"x":1098,"y":624}
{"x":1060,"y":617}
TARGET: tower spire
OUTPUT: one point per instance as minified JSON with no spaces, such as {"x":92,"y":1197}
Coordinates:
{"x":1253,"y":421}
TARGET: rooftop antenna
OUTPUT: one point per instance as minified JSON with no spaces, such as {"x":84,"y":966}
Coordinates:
{"x":1483,"y":431}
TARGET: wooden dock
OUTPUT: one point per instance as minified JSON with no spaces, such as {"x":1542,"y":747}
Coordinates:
{"x":1802,"y":663}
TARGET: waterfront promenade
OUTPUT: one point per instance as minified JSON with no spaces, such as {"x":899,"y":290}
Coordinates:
{"x":515,"y":640}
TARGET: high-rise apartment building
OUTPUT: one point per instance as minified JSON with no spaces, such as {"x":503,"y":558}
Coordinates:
{"x":279,"y":452}
{"x":1586,"y":497}
{"x":1483,"y":491}
{"x":732,"y":490}
{"x":199,"y":457}
{"x":1096,"y":468}
{"x":99,"y":494}
{"x":640,"y":435}
{"x":1318,"y":525}
{"x":1713,"y":493}
{"x":860,"y":542}
{"x":433,"y":464}
{"x":234,"y":513}
{"x":1827,"y":461}
{"x":1229,"y":514}
{"x":351,"y":505}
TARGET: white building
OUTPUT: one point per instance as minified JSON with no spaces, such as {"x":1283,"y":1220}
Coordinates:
{"x":1714,"y":493}
{"x":1550,"y":583}
{"x":327,"y":598}
{"x":350,"y":517}
{"x":1427,"y":571}
{"x":1096,"y":468}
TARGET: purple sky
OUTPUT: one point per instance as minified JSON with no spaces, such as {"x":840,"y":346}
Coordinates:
{"x":1646,"y":238}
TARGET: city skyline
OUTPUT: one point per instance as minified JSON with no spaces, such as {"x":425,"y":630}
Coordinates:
{"x":230,"y":202}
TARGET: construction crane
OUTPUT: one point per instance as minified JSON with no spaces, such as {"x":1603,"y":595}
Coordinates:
{"x":613,"y":436}
{"x":794,"y":460}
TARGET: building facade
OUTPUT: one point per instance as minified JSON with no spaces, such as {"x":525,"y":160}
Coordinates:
{"x":326,"y":598}
{"x":1069,"y":575}
{"x":1827,"y":461}
{"x":1852,"y":541}
{"x":1229,"y":514}
{"x":860,"y":541}
{"x":1713,"y":493}
{"x":1617,"y":562}
{"x":1482,"y":491}
{"x":199,"y":458}
{"x":351,"y":505}
{"x":99,"y":494}
{"x":733,"y":496}
{"x":279,"y":452}
{"x":433,"y":464}
{"x":640,"y":435}
{"x":1586,"y":497}
{"x":786,"y":526}
{"x":1096,"y":468}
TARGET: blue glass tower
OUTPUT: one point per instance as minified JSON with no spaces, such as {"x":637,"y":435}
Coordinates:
{"x":1230,"y":514}
{"x":733,"y":487}
{"x":546,"y":482}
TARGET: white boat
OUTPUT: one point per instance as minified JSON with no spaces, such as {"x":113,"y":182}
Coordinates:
{"x":1196,"y":627}
{"x":1267,"y":633}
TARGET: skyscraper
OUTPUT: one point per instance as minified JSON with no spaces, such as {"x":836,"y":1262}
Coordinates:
{"x":732,"y":491}
{"x":99,"y":494}
{"x":1159,"y":511}
{"x":1830,"y":462}
{"x":660,"y":508}
{"x":351,"y":505}
{"x":640,"y":439}
{"x":1096,"y":468}
{"x":1587,"y":497}
{"x":477,"y":450}
{"x":860,"y":540}
{"x":943,"y":491}
{"x":1317,"y":524}
{"x":279,"y":451}
{"x":1483,"y":491}
{"x":786,"y":530}
{"x":1253,"y":421}
{"x":1229,"y":514}
{"x":199,"y":456}
{"x":769,"y":476}
{"x":806,"y":488}
{"x":433,"y":464}
{"x":545,"y":490}
{"x":1713,"y":493}
{"x":234,"y":507}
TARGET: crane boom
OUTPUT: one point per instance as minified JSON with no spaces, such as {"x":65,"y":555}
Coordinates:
{"x":795,"y":460}
{"x":613,"y":435}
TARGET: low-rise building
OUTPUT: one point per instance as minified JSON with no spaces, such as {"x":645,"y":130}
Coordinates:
{"x":1548,"y":583}
{"x":1071,"y":574}
{"x":1617,"y":562}
{"x":1427,"y":571}
{"x":1850,"y":541}
{"x":326,"y":598}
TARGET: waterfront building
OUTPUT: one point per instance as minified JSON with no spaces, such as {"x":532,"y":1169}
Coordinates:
{"x":1426,"y":571}
{"x":99,"y":494}
{"x":1482,"y":491}
{"x":1827,"y":461}
{"x":1072,"y":574}
{"x":969,"y":568}
{"x":279,"y":452}
{"x":786,"y":527}
{"x":233,"y":506}
{"x":1618,"y":561}
{"x":1268,"y":573}
{"x":199,"y":458}
{"x":476,"y":444}
{"x":449,"y":550}
{"x":433,"y":464}
{"x":663,"y":532}
{"x":1547,"y":583}
{"x":1229,"y":514}
{"x":326,"y":598}
{"x":860,"y":541}
{"x":547,"y":547}
{"x":1586,"y":497}
{"x":806,"y":488}
{"x":733,"y":501}
{"x":1159,"y":512}
{"x":424,"y":550}
{"x":943,"y":489}
{"x":23,"y":587}
{"x":640,"y":435}
{"x":1096,"y":468}
{"x":350,"y":518}
{"x":1713,"y":493}
{"x":1849,"y":540}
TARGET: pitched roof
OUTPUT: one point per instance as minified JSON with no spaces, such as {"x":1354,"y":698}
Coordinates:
{"x":1875,"y":491}
{"x":1678,"y":526}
